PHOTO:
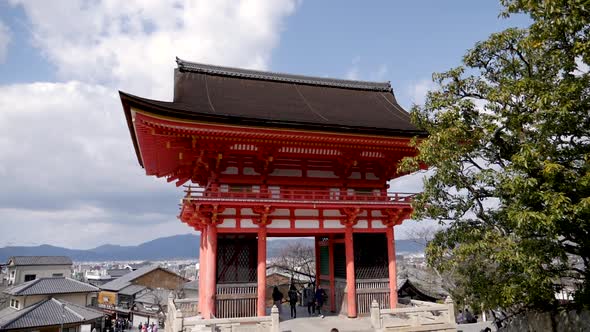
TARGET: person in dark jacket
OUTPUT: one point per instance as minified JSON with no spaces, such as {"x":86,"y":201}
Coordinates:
{"x":277,"y":298}
{"x":293,"y":297}
{"x":320,"y":297}
{"x":309,"y":298}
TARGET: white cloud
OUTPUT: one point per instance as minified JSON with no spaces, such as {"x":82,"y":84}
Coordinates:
{"x":353,"y":72}
{"x":380,"y":74}
{"x":68,"y":171}
{"x":5,"y":38}
{"x":417,"y":91}
{"x":132,"y":44}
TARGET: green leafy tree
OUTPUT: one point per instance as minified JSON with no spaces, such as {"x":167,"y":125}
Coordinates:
{"x":509,"y":147}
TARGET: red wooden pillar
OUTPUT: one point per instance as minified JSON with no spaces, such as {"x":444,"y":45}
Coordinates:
{"x":202,"y":265}
{"x":332,"y":281}
{"x":392,"y":268}
{"x":350,"y":277}
{"x":211,"y":271}
{"x":261,"y":304}
{"x":318,"y":273}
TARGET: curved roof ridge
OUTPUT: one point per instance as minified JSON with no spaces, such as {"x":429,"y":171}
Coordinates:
{"x":184,"y":65}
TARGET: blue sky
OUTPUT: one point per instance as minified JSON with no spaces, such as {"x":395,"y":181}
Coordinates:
{"x":410,"y":39}
{"x":67,"y":167}
{"x":399,"y":41}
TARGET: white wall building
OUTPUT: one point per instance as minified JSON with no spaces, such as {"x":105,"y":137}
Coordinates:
{"x":21,"y":269}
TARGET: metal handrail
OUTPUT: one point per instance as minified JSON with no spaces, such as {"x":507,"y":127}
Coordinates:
{"x":298,"y":194}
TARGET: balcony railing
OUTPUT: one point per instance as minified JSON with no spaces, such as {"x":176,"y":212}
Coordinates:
{"x":291,"y":194}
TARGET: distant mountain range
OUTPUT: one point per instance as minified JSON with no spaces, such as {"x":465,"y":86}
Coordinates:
{"x":171,"y":247}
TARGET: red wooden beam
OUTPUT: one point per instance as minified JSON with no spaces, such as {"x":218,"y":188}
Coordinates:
{"x":261,"y":271}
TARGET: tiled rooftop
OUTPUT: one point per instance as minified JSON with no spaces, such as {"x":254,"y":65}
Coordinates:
{"x":56,"y":285}
{"x":46,"y":313}
{"x":40,"y":260}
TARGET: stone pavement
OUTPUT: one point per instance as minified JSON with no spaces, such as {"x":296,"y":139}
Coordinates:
{"x":475,"y":327}
{"x":305,"y":323}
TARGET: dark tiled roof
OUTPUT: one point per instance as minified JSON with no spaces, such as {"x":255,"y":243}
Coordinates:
{"x":155,"y":296}
{"x":280,"y":77}
{"x":264,"y":99}
{"x":55,"y":285}
{"x":125,"y":280}
{"x":194,"y":284}
{"x":47,"y":313}
{"x":116,"y":273}
{"x":132,"y":289}
{"x":427,"y":294}
{"x":40,"y":260}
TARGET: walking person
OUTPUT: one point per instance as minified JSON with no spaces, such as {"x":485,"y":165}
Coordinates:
{"x":293,"y":296}
{"x":139,"y":326}
{"x":277,"y":298}
{"x":309,"y":298}
{"x":469,"y":318}
{"x":320,"y":297}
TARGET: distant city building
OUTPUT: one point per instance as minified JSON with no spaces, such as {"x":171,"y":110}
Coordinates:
{"x":137,"y":266}
{"x":97,"y":277}
{"x":116,"y":273}
{"x":26,"y":268}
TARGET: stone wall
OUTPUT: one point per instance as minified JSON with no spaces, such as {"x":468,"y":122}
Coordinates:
{"x":562,"y":321}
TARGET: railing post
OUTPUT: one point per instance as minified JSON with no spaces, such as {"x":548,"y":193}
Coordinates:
{"x":178,"y":321}
{"x":451,"y":305}
{"x":170,"y":314}
{"x":274,"y":315}
{"x":375,"y":315}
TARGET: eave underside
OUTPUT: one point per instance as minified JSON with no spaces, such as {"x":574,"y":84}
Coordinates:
{"x":199,"y":152}
{"x":180,"y":111}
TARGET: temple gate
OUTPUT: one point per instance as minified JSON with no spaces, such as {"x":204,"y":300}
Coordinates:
{"x":270,"y":154}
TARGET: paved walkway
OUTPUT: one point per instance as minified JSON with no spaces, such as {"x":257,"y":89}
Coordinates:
{"x":305,"y":323}
{"x":475,"y":327}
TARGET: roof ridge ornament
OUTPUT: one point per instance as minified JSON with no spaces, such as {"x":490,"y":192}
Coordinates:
{"x":195,"y":67}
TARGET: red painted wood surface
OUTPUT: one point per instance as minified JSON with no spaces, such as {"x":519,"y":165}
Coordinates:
{"x":210,"y":286}
{"x":256,"y":171}
{"x":392,"y":268}
{"x":189,"y":151}
{"x":261,"y":304}
{"x":202,"y":265}
{"x":350,"y":277}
